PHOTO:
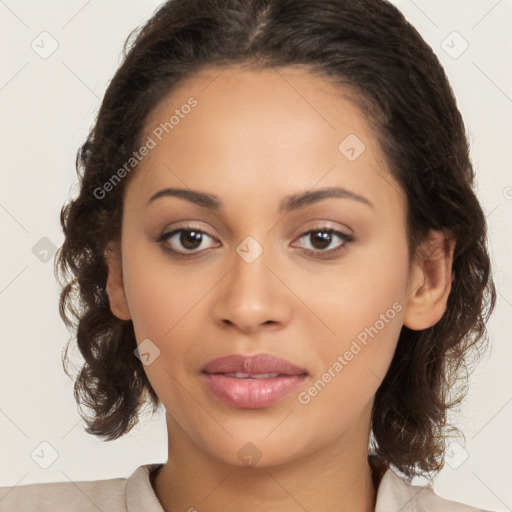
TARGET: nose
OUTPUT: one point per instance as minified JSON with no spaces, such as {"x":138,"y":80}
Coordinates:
{"x":253,"y":296}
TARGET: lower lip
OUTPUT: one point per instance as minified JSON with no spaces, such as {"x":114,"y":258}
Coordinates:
{"x":252,"y":393}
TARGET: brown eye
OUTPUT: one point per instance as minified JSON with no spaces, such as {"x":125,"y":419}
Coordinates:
{"x":184,"y":241}
{"x":190,"y":239}
{"x":188,"y":242}
{"x":322,"y":238}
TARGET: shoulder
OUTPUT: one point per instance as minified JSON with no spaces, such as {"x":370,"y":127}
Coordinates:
{"x":64,"y":496}
{"x":395,"y":491}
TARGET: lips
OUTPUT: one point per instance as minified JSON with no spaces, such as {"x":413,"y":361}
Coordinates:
{"x":255,"y":365}
{"x":252,"y":382}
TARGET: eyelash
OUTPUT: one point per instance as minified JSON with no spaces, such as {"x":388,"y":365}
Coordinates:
{"x":316,"y":253}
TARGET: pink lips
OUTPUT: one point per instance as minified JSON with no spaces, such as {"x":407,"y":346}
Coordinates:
{"x":252,"y":382}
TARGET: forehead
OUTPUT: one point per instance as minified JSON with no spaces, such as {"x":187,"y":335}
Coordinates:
{"x":254,"y":102}
{"x":261,"y":129}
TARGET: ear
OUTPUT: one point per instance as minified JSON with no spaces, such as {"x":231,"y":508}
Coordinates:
{"x":430,"y":281}
{"x":115,"y":285}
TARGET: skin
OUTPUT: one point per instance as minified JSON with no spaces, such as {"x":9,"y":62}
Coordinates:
{"x":254,"y":138}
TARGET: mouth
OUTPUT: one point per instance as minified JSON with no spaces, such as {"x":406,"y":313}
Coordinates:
{"x":252,"y":382}
{"x":242,"y":375}
{"x":240,"y":366}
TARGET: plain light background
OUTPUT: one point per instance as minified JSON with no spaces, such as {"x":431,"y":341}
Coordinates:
{"x":47,"y":106}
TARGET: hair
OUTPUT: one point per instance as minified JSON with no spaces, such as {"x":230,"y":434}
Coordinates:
{"x":369,"y":50}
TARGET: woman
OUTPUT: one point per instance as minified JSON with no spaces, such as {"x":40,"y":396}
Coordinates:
{"x":276,"y":238}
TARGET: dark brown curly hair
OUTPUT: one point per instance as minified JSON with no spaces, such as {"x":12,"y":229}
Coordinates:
{"x":371,"y":51}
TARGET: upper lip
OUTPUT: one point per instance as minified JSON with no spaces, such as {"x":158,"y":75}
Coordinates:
{"x":255,"y":364}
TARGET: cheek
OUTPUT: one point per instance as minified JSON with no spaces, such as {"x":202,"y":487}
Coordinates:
{"x":363,"y":296}
{"x":353,"y":366}
{"x":167,"y":303}
{"x":160,"y":293}
{"x":361,"y":317}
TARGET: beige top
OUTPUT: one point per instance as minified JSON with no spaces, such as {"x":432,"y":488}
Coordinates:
{"x":135,"y":494}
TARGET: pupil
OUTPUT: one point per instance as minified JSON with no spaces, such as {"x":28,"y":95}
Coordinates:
{"x":324,"y":238}
{"x":188,"y":239}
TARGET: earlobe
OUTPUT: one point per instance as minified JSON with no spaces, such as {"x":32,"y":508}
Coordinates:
{"x":115,"y":284}
{"x":430,"y":281}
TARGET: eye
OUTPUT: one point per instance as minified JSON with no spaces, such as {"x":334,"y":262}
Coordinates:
{"x":189,"y":239}
{"x":323,"y":237}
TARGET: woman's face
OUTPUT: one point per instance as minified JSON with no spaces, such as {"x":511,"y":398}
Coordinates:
{"x":245,"y":277}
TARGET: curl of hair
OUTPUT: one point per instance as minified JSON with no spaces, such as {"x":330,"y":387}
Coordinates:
{"x":375,"y":56}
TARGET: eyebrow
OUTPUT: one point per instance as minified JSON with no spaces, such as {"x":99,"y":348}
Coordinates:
{"x":288,"y":204}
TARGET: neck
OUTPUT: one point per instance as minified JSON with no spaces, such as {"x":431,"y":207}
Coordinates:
{"x":337,"y":478}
